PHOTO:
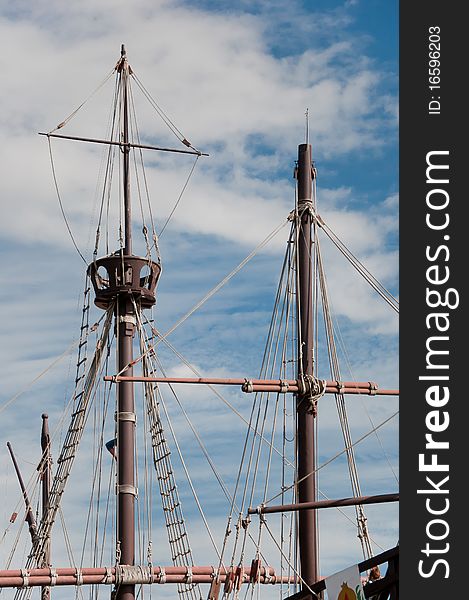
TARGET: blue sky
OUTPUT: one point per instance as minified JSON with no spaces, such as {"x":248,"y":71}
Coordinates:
{"x":236,"y":78}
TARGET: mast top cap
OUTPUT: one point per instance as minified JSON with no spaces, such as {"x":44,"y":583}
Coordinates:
{"x":123,"y":51}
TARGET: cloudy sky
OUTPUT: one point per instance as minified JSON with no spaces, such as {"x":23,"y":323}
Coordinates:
{"x":236,"y":78}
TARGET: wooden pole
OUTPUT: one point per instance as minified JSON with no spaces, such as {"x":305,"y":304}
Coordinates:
{"x":307,"y":520}
{"x":125,"y":327}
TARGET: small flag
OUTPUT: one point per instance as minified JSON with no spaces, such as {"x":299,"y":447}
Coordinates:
{"x":111,"y":446}
{"x":345,"y":585}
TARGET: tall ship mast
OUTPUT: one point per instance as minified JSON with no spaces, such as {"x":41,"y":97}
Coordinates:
{"x":271,"y":491}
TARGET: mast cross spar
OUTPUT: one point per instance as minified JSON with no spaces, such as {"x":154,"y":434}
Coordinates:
{"x":283,"y":386}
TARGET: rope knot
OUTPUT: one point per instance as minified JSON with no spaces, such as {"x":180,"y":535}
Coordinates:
{"x":188,"y":577}
{"x":312,"y":389}
{"x":162,"y":576}
{"x":248,"y":386}
{"x":306,"y":206}
{"x":25,"y":576}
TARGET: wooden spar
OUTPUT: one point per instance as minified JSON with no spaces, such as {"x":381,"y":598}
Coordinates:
{"x":275,"y":385}
{"x":121,"y":144}
{"x":157,"y":575}
{"x":261,"y":510}
{"x":29,"y":518}
{"x":305,"y":407}
{"x":125,"y":327}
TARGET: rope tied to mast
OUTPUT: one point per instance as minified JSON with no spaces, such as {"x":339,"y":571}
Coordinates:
{"x":311,"y":389}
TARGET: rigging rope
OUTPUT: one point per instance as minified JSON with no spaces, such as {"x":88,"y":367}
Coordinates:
{"x":172,"y":507}
{"x":60,"y":202}
{"x":147,"y":193}
{"x":215,"y":391}
{"x":36,"y":555}
{"x":341,"y":408}
{"x":214,"y":290}
{"x":289,"y":564}
{"x":33,"y":483}
{"x":327,"y":462}
{"x":42,"y":373}
{"x":360,"y":268}
{"x":252,"y":455}
{"x":189,"y":479}
{"x":203,"y":448}
{"x":108,"y":172}
{"x":232,"y":497}
{"x":352,"y":378}
{"x":70,"y":445}
{"x":179,"y":197}
{"x":71,"y":115}
{"x":167,"y":121}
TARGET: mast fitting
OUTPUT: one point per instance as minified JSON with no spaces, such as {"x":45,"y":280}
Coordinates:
{"x":125,"y":416}
{"x":125,"y":488}
{"x":128,"y":319}
{"x":114,"y":275}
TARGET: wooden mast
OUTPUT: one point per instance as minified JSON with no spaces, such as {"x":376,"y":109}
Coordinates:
{"x":125,"y":328}
{"x":127,"y":291}
{"x":307,"y":520}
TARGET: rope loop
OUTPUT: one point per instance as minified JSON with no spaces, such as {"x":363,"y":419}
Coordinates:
{"x":188,"y":578}
{"x":25,"y":576}
{"x":340,"y":386}
{"x":248,"y":386}
{"x":162,"y":575}
{"x":306,"y":206}
{"x":268,"y":577}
